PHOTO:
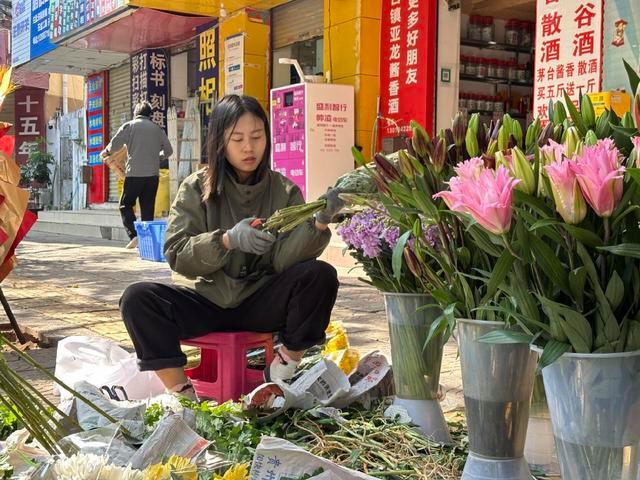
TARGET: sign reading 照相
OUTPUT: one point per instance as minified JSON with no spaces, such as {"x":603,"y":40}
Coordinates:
{"x":568,"y":53}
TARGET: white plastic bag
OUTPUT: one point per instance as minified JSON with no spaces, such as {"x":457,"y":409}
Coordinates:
{"x":102,"y":362}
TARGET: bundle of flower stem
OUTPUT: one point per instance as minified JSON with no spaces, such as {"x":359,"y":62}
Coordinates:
{"x":46,"y":423}
{"x":288,"y":218}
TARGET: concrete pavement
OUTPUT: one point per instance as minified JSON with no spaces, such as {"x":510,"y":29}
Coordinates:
{"x":67,"y":285}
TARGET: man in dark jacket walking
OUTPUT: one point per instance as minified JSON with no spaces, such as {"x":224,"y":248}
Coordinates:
{"x":144,"y":140}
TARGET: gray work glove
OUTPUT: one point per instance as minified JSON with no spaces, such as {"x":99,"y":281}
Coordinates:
{"x":248,"y":239}
{"x":334,"y":205}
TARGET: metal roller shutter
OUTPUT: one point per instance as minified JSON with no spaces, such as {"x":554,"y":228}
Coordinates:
{"x":119,"y":112}
{"x":296,"y":21}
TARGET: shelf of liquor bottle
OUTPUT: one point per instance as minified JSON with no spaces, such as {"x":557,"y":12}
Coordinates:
{"x":495,"y":46}
{"x":492,"y":113}
{"x":497,"y":81}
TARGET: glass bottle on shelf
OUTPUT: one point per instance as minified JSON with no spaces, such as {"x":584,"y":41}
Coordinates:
{"x":526,"y":29}
{"x":462,"y":101}
{"x":472,"y":103}
{"x":498,"y":105}
{"x":491,"y":67}
{"x":481,"y":103}
{"x":512,"y":33}
{"x":501,"y":71}
{"x":475,"y":28}
{"x":512,"y":70}
{"x":488,"y":29}
{"x":481,"y":67}
{"x":522,"y":73}
{"x":471,"y":66}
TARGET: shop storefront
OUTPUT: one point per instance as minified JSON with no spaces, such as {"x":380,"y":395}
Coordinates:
{"x":516,"y":58}
{"x":297,"y":32}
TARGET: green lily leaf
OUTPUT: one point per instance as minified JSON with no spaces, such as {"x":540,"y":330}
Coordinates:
{"x":505,"y":337}
{"x":615,"y":291}
{"x":577,"y":280}
{"x":549,"y":263}
{"x":500,"y":271}
{"x":552,"y":351}
{"x":441,"y":325}
{"x":396,"y":257}
{"x":575,"y":115}
{"x":611,"y":329}
{"x":631,"y":250}
{"x":634,"y":78}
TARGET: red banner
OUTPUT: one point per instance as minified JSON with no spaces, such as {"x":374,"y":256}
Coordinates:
{"x":407,"y":65}
{"x":29,"y":124}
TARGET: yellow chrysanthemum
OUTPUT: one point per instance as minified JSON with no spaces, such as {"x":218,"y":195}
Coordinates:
{"x":182,"y":467}
{"x":157,"y":472}
{"x":237,"y":472}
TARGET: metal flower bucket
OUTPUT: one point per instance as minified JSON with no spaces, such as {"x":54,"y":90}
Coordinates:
{"x":416,"y":366}
{"x":497,"y":382}
{"x":594,"y":401}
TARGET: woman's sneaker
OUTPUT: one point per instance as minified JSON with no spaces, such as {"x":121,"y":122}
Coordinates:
{"x":185,"y":390}
{"x":281,"y":369}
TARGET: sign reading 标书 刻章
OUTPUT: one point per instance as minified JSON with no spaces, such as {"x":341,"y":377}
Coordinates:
{"x":150,"y":82}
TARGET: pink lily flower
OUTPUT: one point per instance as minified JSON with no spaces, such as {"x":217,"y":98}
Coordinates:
{"x":569,"y":201}
{"x":600,"y":175}
{"x":486,"y":197}
{"x":470,"y":169}
{"x":552,"y":152}
{"x":636,"y":146}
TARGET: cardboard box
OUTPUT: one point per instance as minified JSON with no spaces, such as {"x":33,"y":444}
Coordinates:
{"x":619,"y":102}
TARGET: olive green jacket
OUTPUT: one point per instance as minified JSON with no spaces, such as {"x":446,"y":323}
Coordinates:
{"x":193,"y":242}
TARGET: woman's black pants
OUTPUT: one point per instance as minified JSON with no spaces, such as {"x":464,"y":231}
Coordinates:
{"x":297,"y":303}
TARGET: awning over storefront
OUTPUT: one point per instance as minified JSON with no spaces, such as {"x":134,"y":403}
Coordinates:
{"x":76,"y":62}
{"x":144,"y":28}
{"x":110,"y":42}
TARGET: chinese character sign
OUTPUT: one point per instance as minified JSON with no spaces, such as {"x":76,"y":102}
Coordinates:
{"x":207,"y":69}
{"x":66,"y":16}
{"x":29,"y":125}
{"x":96,"y":117}
{"x":568,"y":51}
{"x":150,"y":81}
{"x":407,"y":64}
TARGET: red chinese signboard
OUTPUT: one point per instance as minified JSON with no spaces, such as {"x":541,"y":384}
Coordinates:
{"x":407,"y":65}
{"x":29,"y":126}
{"x":568,"y":51}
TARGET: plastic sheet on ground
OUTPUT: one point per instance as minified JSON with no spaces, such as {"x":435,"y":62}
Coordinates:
{"x":107,"y":441}
{"x":172,"y":437}
{"x":325,"y":384}
{"x":277,"y":459}
{"x":130,"y":415}
{"x":101,"y":361}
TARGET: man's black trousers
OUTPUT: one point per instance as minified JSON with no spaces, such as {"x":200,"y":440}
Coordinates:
{"x":143,"y":189}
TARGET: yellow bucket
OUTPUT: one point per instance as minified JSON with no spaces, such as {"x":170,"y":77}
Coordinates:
{"x":162,"y":197}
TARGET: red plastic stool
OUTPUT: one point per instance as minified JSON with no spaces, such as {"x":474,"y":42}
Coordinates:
{"x":223,"y":374}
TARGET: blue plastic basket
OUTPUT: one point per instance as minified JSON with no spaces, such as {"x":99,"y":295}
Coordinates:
{"x":151,"y":240}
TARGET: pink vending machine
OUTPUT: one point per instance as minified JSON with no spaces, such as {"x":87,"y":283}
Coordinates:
{"x":313,"y":128}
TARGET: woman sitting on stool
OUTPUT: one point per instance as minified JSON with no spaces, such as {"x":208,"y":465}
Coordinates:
{"x":230,"y":276}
